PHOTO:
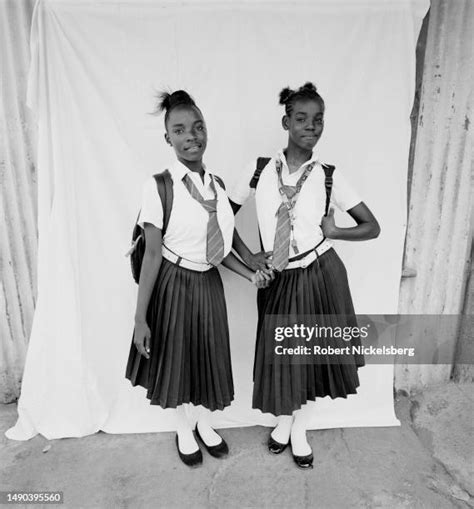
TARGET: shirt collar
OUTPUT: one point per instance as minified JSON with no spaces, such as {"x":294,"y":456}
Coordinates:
{"x":180,"y":170}
{"x":282,"y":157}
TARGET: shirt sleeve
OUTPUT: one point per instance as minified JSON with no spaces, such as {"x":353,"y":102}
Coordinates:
{"x":152,"y":209}
{"x":343,"y":194}
{"x":240,"y":191}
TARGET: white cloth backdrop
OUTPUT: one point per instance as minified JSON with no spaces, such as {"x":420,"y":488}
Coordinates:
{"x":95,"y":68}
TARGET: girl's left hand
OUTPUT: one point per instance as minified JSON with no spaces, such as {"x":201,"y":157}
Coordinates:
{"x":328,"y":225}
{"x":262,"y":278}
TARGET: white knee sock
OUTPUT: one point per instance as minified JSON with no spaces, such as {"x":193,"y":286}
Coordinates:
{"x":186,"y":441}
{"x":209,"y":436}
{"x":281,"y":433}
{"x":299,"y":442}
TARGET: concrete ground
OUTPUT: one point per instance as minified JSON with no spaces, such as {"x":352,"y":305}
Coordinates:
{"x":426,"y":463}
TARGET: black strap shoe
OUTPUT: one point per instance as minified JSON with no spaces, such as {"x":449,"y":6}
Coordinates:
{"x":218,"y":451}
{"x":191,"y":460}
{"x":304,"y":462}
{"x":275,"y":447}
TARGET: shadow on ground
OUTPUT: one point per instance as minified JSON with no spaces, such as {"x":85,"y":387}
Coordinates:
{"x":425,"y":463}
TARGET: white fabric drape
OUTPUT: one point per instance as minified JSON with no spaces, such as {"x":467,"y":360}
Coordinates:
{"x":95,"y":67}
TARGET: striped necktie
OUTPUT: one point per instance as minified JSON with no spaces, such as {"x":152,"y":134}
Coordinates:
{"x":214,"y":241}
{"x":281,"y":244}
{"x":283,"y":231}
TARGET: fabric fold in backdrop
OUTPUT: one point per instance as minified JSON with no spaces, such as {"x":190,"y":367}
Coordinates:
{"x":95,"y":69}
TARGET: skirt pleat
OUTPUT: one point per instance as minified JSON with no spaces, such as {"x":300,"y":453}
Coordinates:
{"x":322,"y":288}
{"x":189,"y":348}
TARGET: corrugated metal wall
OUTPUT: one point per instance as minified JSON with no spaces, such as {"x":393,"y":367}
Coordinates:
{"x":439,"y":234}
{"x":438,"y":237}
{"x":464,"y":371}
{"x":18,"y":234}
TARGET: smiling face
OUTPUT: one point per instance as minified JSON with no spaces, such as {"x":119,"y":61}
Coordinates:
{"x":305,"y":123}
{"x":186,"y":133}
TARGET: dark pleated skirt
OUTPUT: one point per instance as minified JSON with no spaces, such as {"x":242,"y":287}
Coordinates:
{"x":189,"y":349}
{"x":320,"y":289}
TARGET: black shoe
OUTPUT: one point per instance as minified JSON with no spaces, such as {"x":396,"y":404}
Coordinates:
{"x":218,"y":451}
{"x":192,"y":460}
{"x":275,"y":447}
{"x":305,"y":462}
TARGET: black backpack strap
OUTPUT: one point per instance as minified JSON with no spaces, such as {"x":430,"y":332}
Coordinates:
{"x":164,"y":183}
{"x":220,"y":181}
{"x":261,"y":163}
{"x":328,"y":171}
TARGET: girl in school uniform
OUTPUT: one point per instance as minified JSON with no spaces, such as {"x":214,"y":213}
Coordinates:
{"x":309,"y":277}
{"x":180,"y":350}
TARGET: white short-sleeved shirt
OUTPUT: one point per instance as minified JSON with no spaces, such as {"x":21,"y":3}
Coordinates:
{"x":186,"y":234}
{"x":309,"y":207}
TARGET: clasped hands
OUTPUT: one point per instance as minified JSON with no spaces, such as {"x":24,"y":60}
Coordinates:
{"x":261,"y":263}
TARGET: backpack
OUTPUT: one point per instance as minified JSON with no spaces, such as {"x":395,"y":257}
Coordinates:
{"x":164,"y":185}
{"x":328,"y":172}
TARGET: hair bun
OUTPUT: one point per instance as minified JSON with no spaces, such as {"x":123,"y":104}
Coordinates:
{"x":285,"y":95}
{"x":166,"y":101}
{"x":309,"y":86}
{"x":180,"y":97}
